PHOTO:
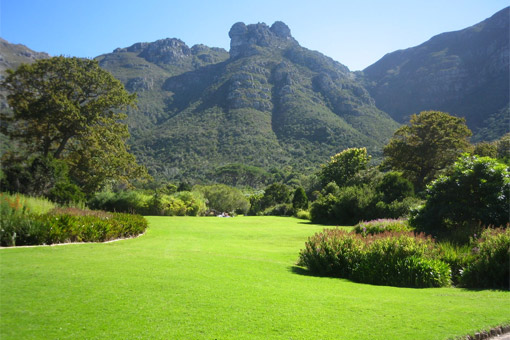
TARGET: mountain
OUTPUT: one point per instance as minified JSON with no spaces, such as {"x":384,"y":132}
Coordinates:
{"x":268,"y":103}
{"x":11,"y":56}
{"x":465,"y":73}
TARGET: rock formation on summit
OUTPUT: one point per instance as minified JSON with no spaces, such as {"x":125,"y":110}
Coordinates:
{"x":246,"y":40}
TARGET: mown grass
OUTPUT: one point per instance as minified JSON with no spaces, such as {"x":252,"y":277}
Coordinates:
{"x":216,"y":278}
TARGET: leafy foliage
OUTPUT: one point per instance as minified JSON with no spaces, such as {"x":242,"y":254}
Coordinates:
{"x":343,"y":166}
{"x":490,"y":267}
{"x":382,"y":225}
{"x":431,"y":142}
{"x":352,"y":204}
{"x":69,"y":108}
{"x":40,"y":176}
{"x":20,"y":227}
{"x":182,"y":203}
{"x":299,"y":199}
{"x":222,"y":198}
{"x":475,"y":193}
{"x":242,"y":175}
{"x":397,"y":259}
{"x":394,"y":187}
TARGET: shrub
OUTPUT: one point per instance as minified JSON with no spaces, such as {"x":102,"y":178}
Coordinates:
{"x":457,"y":256}
{"x":19,"y":227}
{"x":276,"y":193}
{"x":223,"y":198}
{"x":285,"y":209}
{"x":35,"y":205}
{"x":475,"y":193}
{"x":490,"y":267}
{"x":332,"y":252}
{"x":322,"y":209}
{"x":303,"y":215}
{"x":300,"y":200}
{"x":382,"y":225}
{"x":343,"y":166}
{"x":394,"y":187}
{"x":65,"y":193}
{"x":401,"y":259}
{"x":122,"y":201}
{"x":193,"y":201}
{"x":396,"y":259}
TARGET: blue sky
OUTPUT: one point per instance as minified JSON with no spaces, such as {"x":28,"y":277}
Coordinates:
{"x":355,"y":33}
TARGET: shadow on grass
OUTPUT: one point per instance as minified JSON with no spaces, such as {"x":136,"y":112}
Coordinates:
{"x":303,"y":271}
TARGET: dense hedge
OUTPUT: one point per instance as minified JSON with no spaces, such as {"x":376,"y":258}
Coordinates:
{"x":474,"y":193}
{"x":18,"y":227}
{"x":382,"y":225}
{"x":490,"y":267}
{"x":352,"y":204}
{"x":395,"y":259}
{"x":183,"y":203}
{"x":373,"y":255}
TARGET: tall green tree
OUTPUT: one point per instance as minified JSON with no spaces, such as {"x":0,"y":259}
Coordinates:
{"x":71,"y":109}
{"x":474,"y":193}
{"x":343,"y":166}
{"x":432,"y":141}
{"x":300,"y":200}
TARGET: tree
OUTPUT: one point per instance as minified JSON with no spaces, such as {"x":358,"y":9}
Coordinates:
{"x":70,"y":109}
{"x":343,"y":166}
{"x":474,"y":194}
{"x":432,"y":141}
{"x":300,"y":200}
{"x":223,"y":198}
{"x":486,"y":149}
{"x":393,"y":187}
{"x":276,"y":193}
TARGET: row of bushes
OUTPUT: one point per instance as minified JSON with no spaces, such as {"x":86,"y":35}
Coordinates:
{"x":184,"y":203}
{"x":404,"y":259}
{"x":376,"y":196}
{"x":19,"y":227}
{"x":276,"y":199}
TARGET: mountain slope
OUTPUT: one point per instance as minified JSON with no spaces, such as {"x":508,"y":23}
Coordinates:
{"x":272,"y":103}
{"x":465,"y":73}
{"x":11,"y":56}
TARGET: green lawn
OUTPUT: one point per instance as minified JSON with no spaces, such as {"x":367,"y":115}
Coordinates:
{"x":218,"y":278}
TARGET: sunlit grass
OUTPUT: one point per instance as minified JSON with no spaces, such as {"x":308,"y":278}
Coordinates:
{"x":218,"y":278}
{"x":36,"y":205}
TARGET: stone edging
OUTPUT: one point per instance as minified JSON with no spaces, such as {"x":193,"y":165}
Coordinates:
{"x":494,"y":333}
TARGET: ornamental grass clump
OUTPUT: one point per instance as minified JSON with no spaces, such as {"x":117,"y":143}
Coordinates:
{"x":490,"y":267}
{"x":390,"y":258}
{"x":18,"y":226}
{"x":382,"y":225}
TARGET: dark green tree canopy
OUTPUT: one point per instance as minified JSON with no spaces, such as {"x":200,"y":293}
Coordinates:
{"x":475,"y":193}
{"x":300,"y":200}
{"x":343,"y":166}
{"x":432,"y":141}
{"x":71,"y":109}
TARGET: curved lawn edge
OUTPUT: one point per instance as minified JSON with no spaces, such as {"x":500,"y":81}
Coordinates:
{"x":70,"y":243}
{"x":500,"y":332}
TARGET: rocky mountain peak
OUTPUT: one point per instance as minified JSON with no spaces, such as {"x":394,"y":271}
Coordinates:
{"x":244,"y":39}
{"x":168,"y":50}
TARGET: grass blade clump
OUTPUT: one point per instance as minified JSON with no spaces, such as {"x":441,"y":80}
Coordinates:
{"x":490,"y":267}
{"x":20,"y":226}
{"x":382,"y":225}
{"x":391,"y":258}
